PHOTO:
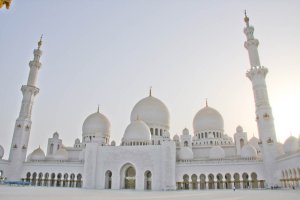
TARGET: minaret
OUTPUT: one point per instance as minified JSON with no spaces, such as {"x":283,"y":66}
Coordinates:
{"x":21,"y":134}
{"x":263,"y":110}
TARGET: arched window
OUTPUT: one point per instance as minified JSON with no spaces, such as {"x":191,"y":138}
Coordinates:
{"x":148,"y":180}
{"x":160,"y":132}
{"x":156,"y":131}
{"x":185,"y":143}
{"x":151,"y":130}
{"x":108,"y":180}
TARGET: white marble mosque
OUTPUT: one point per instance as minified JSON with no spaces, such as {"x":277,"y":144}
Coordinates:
{"x":147,"y":157}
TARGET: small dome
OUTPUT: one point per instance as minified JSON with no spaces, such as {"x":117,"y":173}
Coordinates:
{"x":216,"y":152}
{"x":61,"y":154}
{"x":208,"y":119}
{"x":77,"y":141}
{"x":1,"y":152}
{"x":137,"y":131}
{"x":185,"y":131}
{"x":152,"y":111}
{"x":37,"y":154}
{"x":81,"y":155}
{"x":185,"y":153}
{"x":290,"y":145}
{"x":97,"y":125}
{"x":176,"y":138}
{"x":254,"y":142}
{"x":239,"y":129}
{"x":248,"y":151}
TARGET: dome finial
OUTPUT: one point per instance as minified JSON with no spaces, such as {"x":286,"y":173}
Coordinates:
{"x":150,"y":91}
{"x":246,"y":19}
{"x":98,"y":109}
{"x":137,"y":118}
{"x":40,"y":42}
{"x":206,"y":102}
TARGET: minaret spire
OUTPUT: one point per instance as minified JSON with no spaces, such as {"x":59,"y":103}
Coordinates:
{"x":40,"y":42}
{"x":251,"y":44}
{"x":263,"y":110}
{"x":23,"y":123}
{"x":246,"y":19}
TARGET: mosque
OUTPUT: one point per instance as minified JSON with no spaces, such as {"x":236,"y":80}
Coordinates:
{"x":147,"y":157}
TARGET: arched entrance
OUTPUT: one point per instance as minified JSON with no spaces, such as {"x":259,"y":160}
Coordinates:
{"x":128,"y":175}
{"x":148,"y":180}
{"x":186,"y":182}
{"x":202,"y":182}
{"x":194,"y":182}
{"x":28,"y":175}
{"x":245,"y":180}
{"x":219,"y":181}
{"x":227,"y":181}
{"x":236,"y":178}
{"x":34,"y":175}
{"x":211,"y":183}
{"x":40,"y":179}
{"x":108,"y":176}
{"x":78,"y":181}
{"x":254,"y":180}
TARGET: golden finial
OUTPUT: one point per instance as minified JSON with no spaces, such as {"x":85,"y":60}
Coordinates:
{"x":98,"y":109}
{"x":40,"y":42}
{"x":246,"y":18}
{"x":137,"y":117}
{"x":206,"y":102}
{"x":6,"y":3}
{"x":150,"y":92}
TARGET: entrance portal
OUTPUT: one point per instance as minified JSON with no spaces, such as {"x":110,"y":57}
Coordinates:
{"x":130,"y":178}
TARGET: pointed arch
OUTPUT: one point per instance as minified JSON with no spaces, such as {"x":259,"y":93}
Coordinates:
{"x":128,"y":176}
{"x":108,"y":179}
{"x":148,"y":180}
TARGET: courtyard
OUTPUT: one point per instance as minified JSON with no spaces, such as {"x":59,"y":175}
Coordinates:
{"x":37,"y":193}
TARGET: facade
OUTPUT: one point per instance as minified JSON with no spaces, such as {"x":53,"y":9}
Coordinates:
{"x":147,"y":157}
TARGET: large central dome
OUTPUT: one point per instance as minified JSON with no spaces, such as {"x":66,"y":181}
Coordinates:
{"x":208,"y":119}
{"x":96,"y":125}
{"x":152,"y":111}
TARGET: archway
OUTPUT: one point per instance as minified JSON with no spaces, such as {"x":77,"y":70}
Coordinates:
{"x":108,"y":175}
{"x":245,"y":180}
{"x":219,"y":181}
{"x":211,"y":184}
{"x":236,"y":177}
{"x":1,"y":174}
{"x":78,"y":181}
{"x":34,"y":178}
{"x":194,"y":182}
{"x":58,"y":181}
{"x":72,"y":180}
{"x":202,"y":182}
{"x":52,"y":181}
{"x":127,"y":175}
{"x":254,"y":180}
{"x":65,"y":181}
{"x":40,"y":179}
{"x":228,"y":181}
{"x":28,"y":175}
{"x":148,"y":180}
{"x":186,"y":182}
{"x":46,"y":179}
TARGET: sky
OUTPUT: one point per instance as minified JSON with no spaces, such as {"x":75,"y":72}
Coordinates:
{"x":109,"y":53}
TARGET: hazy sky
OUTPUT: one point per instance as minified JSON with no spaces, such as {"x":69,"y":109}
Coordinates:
{"x":111,"y":52}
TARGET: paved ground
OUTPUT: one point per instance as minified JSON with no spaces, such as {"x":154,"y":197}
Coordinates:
{"x":40,"y":193}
